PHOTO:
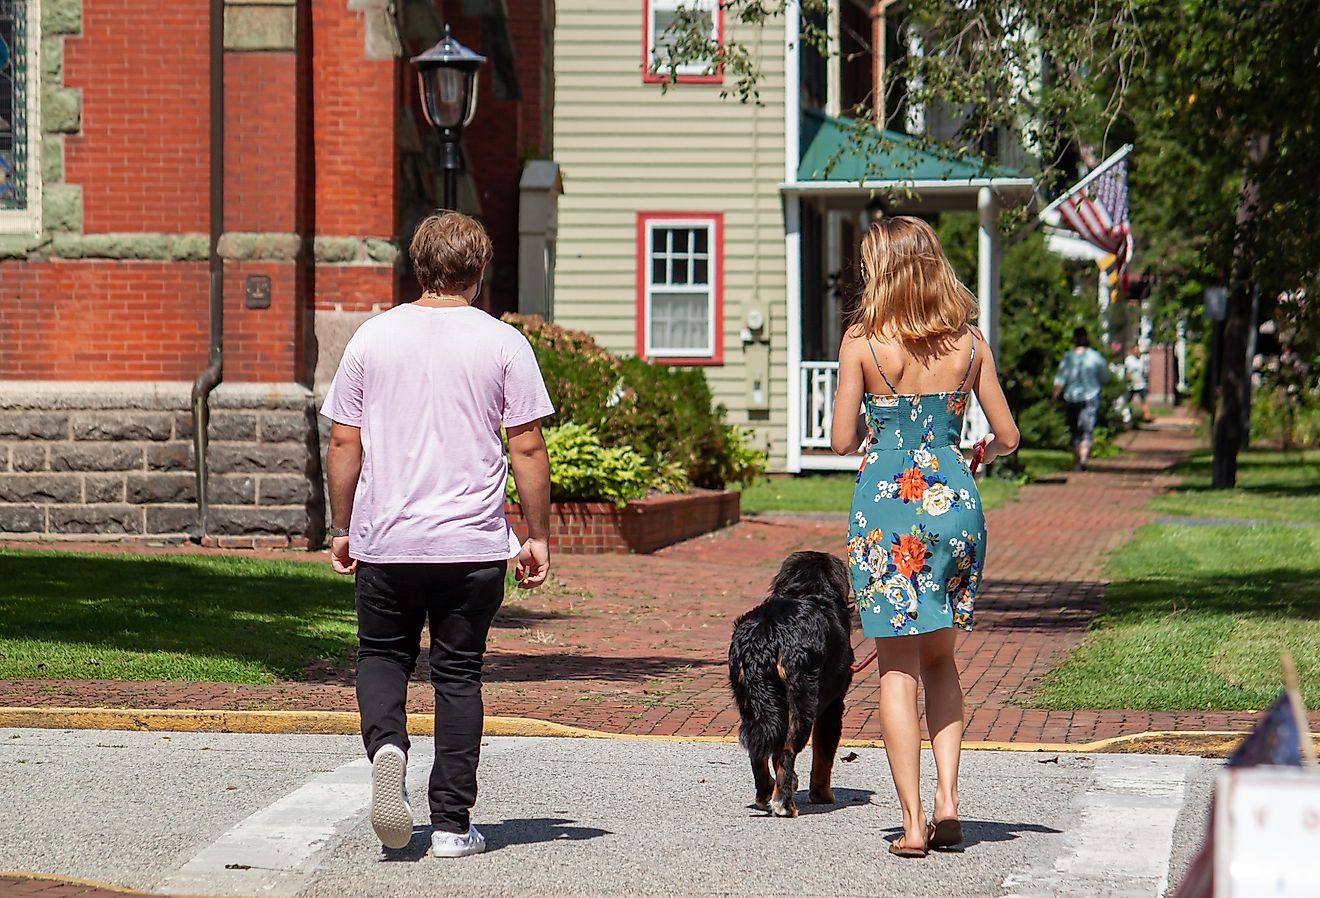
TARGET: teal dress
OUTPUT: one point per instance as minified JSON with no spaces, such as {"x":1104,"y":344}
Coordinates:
{"x":916,"y":538}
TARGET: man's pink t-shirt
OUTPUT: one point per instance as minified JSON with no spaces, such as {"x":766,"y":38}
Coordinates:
{"x":430,"y":388}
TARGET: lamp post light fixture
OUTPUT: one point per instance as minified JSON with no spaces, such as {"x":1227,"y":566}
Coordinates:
{"x":447,"y":77}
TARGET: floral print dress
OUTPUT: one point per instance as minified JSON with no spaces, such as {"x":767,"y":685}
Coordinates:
{"x":917,"y":531}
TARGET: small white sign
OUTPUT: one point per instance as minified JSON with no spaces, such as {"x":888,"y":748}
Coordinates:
{"x":1267,"y":833}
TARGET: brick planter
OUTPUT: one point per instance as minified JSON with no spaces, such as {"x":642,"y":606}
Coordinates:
{"x":643,"y":525}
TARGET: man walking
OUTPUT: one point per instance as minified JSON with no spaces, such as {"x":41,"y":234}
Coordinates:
{"x":1134,"y":367}
{"x":1082,"y":373}
{"x":416,"y":473}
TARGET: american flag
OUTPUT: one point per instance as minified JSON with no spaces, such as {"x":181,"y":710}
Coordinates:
{"x":1098,"y":211}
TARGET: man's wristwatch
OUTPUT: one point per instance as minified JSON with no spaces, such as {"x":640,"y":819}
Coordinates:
{"x":338,"y":531}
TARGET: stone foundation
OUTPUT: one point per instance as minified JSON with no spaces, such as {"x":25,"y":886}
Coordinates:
{"x":106,"y":460}
{"x":642,"y":525}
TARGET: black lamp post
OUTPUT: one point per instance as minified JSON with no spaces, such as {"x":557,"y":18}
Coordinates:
{"x":447,"y":75}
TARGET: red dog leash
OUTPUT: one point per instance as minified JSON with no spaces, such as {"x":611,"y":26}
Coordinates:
{"x":978,"y":454}
{"x":869,"y":658}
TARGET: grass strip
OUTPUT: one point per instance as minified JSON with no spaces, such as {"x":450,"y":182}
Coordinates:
{"x":1195,"y":618}
{"x":169,"y":617}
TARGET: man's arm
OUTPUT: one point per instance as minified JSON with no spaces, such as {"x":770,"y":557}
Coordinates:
{"x":531,"y":474}
{"x":343,"y":463}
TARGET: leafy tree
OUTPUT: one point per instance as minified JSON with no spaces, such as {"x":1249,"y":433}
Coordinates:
{"x":1218,"y":94}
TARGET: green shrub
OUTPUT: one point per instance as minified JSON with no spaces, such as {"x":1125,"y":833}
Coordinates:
{"x":582,"y":470}
{"x":1289,"y":421}
{"x":665,"y":414}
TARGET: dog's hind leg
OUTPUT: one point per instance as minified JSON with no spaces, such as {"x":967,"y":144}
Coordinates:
{"x":824,"y":745}
{"x":782,"y":803}
{"x":765,"y":783}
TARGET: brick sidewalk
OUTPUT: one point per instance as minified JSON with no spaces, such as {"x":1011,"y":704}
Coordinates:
{"x":636,"y":644}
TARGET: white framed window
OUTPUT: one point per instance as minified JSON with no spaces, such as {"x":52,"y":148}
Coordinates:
{"x":680,"y":303}
{"x":20,"y":87}
{"x":658,"y":16}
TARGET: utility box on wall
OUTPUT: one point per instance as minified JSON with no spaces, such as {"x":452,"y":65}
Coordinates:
{"x":756,"y":360}
{"x":538,"y":225}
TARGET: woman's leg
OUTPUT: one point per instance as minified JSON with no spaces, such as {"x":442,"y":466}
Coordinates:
{"x":899,"y":661}
{"x":944,"y":715}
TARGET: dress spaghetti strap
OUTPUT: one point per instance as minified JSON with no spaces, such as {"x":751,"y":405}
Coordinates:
{"x":889,"y":383}
{"x":962,"y":383}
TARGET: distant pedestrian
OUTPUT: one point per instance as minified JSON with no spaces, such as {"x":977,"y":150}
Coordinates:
{"x":910,"y":360}
{"x":1134,"y":367}
{"x":416,"y":473}
{"x":1082,"y":373}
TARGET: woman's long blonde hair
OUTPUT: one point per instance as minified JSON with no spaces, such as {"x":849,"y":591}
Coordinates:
{"x":910,"y":291}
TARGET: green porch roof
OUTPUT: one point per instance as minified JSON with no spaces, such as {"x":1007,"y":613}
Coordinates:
{"x":825,"y":138}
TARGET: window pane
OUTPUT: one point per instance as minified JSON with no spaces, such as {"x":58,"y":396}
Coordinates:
{"x":699,"y":271}
{"x":13,"y":104}
{"x":661,"y":21}
{"x":680,"y":275}
{"x":680,"y":240}
{"x":699,"y":239}
{"x":658,"y":270}
{"x":680,"y":322}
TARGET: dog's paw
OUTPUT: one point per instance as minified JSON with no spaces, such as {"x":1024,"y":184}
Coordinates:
{"x":822,"y":796}
{"x":761,"y":804}
{"x":783,"y":808}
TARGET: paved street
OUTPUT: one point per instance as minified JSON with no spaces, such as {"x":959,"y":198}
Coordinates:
{"x":286,"y":815}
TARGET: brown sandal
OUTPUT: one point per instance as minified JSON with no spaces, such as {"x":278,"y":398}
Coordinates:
{"x":903,"y":850}
{"x":944,"y":833}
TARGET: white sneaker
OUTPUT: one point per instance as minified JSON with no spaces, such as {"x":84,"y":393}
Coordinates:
{"x":453,"y":845}
{"x":391,"y":815}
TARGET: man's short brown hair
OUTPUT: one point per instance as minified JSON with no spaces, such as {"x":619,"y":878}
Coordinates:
{"x":449,"y":252}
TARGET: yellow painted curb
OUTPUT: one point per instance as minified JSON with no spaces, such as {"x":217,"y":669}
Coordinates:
{"x":346,"y":722}
{"x":90,"y":883}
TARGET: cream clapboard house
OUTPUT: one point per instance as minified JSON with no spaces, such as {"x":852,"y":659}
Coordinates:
{"x":694,"y":229}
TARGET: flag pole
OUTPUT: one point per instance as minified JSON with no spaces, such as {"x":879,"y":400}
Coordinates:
{"x":1120,"y":154}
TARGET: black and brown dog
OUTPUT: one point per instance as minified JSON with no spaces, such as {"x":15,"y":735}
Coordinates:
{"x":790,"y":665}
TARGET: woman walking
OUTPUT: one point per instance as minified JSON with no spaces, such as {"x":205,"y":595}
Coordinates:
{"x":910,"y":360}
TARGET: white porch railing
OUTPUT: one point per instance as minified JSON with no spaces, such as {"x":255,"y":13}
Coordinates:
{"x":817,"y":383}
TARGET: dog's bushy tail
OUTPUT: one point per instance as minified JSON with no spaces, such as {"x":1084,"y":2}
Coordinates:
{"x":768,"y":688}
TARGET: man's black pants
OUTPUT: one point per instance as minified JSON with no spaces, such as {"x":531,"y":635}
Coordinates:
{"x":460,"y":600}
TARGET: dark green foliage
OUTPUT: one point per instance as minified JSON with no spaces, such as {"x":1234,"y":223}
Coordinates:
{"x":665,"y":414}
{"x":1038,"y":311}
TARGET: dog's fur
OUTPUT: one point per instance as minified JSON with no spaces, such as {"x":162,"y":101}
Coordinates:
{"x":790,"y":665}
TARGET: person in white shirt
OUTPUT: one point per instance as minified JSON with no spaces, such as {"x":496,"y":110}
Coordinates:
{"x":1134,"y":367}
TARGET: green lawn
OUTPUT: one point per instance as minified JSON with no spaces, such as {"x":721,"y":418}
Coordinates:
{"x":1196,"y":618}
{"x":820,"y":492}
{"x":1271,"y":485}
{"x":176,"y":617}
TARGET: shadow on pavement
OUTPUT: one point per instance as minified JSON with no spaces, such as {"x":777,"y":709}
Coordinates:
{"x":506,"y":667}
{"x":500,"y":835}
{"x":977,"y":831}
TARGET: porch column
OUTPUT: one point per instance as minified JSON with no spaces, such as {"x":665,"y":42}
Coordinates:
{"x":987,"y":266}
{"x":793,"y":260}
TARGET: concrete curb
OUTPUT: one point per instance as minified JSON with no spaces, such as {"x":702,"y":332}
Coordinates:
{"x":1216,"y":743}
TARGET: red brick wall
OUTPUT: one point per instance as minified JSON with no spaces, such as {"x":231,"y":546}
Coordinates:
{"x":142,"y":155}
{"x":261,"y":142}
{"x":354,"y":288}
{"x":102,"y":320}
{"x":354,"y":118}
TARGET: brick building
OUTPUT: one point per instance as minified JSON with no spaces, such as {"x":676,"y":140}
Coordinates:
{"x":119,"y":224}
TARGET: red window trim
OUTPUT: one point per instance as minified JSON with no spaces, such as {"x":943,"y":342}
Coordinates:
{"x":717,"y":269}
{"x":650,"y":77}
